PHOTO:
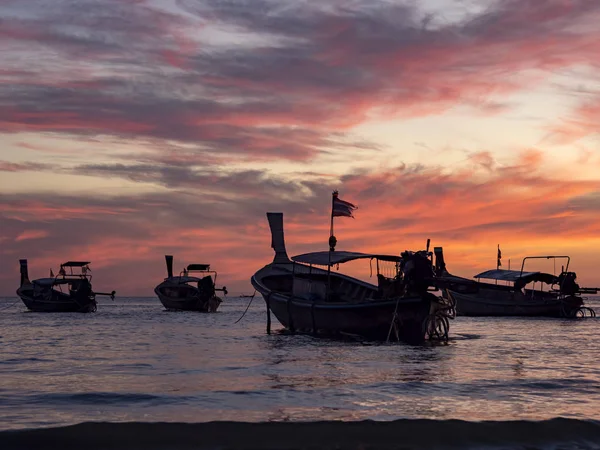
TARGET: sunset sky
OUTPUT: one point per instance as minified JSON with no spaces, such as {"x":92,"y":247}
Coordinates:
{"x":134,"y":128}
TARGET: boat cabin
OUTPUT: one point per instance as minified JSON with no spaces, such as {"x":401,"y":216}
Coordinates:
{"x":70,"y":265}
{"x":518,"y":279}
{"x":68,"y":280}
{"x":564,"y":283}
{"x":313,"y":279}
{"x":205,"y":281}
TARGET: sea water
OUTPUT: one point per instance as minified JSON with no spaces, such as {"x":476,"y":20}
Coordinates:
{"x":132,"y":361}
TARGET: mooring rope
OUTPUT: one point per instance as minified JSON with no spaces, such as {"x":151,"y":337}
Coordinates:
{"x":393,"y":323}
{"x":12,"y":304}
{"x":249,"y":303}
{"x":268,"y":302}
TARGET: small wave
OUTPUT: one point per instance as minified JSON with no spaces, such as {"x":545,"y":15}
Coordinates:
{"x":465,"y":336}
{"x":400,"y":434}
{"x":133,"y":366}
{"x":24,"y":360}
{"x":104,"y":398}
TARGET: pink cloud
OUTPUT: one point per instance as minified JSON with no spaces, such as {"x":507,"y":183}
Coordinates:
{"x":6,"y":166}
{"x":582,"y":123}
{"x":356,"y":63}
{"x":31,"y":234}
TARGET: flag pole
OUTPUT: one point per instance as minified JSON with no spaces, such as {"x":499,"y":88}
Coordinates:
{"x":333,"y":196}
{"x":498,"y":260}
{"x":332,"y":242}
{"x":332,"y":239}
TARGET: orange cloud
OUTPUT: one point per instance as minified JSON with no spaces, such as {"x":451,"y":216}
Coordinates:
{"x":524,"y":209}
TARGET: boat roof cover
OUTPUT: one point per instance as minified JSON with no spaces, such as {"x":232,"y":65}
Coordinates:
{"x":185,"y":279}
{"x":55,"y":281}
{"x":323,"y":258}
{"x":516,"y":275}
{"x":75,"y":263}
{"x":201,"y":267}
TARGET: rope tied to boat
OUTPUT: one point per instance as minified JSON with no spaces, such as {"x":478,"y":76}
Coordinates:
{"x":247,"y":307}
{"x":394,"y":324}
{"x":580,"y":311}
{"x":12,"y":304}
{"x":585,"y":311}
{"x":268,"y":302}
{"x":436,"y":326}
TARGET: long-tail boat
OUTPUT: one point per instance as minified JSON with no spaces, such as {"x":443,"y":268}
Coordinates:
{"x":307,"y":296}
{"x":69,"y":291}
{"x":190,"y":293}
{"x":516,"y":292}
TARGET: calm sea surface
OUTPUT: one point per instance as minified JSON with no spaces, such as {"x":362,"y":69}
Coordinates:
{"x":133,"y":361}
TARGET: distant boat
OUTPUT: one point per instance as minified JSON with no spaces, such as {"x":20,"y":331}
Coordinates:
{"x":308,"y":299}
{"x":555,"y":296}
{"x":66,"y":292}
{"x":189,"y":293}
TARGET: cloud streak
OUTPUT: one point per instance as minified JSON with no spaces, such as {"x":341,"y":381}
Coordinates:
{"x":324,"y":70}
{"x":399,"y":208}
{"x":226,"y":109}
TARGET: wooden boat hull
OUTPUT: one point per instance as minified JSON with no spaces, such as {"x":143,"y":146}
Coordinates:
{"x":368,"y":320}
{"x":56,"y":302}
{"x":495,"y":302}
{"x":371,"y":319}
{"x":185,"y":298}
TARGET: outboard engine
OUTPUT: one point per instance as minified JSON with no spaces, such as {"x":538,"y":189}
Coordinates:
{"x":169,"y":260}
{"x":24,"y":272}
{"x":567,"y":283}
{"x":418,"y":270}
{"x":206,"y":287}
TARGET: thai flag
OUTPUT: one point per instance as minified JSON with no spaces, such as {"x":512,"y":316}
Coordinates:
{"x":342,"y":208}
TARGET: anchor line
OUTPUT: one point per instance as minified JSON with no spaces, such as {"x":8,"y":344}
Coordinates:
{"x":268,"y":302}
{"x":393,"y":322}
{"x":246,"y":310}
{"x":12,"y":304}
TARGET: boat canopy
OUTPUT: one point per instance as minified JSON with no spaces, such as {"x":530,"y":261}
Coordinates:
{"x":75,"y":264}
{"x":517,"y":275}
{"x":46,"y":282}
{"x":339,"y":257}
{"x":198,"y":267}
{"x":186,"y":279}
